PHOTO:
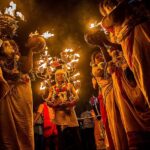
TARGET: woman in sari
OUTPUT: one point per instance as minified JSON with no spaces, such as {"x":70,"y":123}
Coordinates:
{"x":16,"y":114}
{"x":131,"y":30}
{"x":134,"y":112}
{"x":116,"y":135}
{"x":114,"y":120}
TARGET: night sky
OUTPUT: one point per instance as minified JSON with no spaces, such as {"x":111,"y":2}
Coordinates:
{"x":68,"y":20}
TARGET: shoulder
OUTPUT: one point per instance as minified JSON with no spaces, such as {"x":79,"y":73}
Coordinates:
{"x":40,"y":108}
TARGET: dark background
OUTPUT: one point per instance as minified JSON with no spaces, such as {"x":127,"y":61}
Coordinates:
{"x":68,"y":20}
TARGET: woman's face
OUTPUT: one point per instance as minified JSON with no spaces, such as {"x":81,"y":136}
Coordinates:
{"x":60,"y":77}
{"x":97,"y":72}
{"x":8,"y":48}
{"x":98,"y":58}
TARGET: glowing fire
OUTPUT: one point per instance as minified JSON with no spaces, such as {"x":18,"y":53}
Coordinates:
{"x":11,"y":11}
{"x":68,"y":50}
{"x":19,"y":14}
{"x":92,"y":25}
{"x":77,"y":74}
{"x":95,"y":24}
{"x":76,"y":55}
{"x":47,"y":35}
{"x":42,"y":86}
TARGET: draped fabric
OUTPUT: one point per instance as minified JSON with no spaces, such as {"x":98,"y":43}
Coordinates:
{"x":105,"y":121}
{"x":135,"y":114}
{"x":132,"y":32}
{"x":114,"y":120}
{"x":16,"y":118}
{"x":49,"y":127}
{"x":138,"y":56}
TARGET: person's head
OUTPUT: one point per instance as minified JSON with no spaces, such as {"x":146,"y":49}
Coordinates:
{"x":60,"y":76}
{"x":106,"y":6}
{"x":36,"y":43}
{"x":96,"y":57}
{"x":9,"y":48}
{"x":97,"y":71}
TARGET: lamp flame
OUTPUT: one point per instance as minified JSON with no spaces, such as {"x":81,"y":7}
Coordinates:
{"x":11,"y":10}
{"x":19,"y":14}
{"x":76,"y":55}
{"x":42,"y":86}
{"x":47,"y":35}
{"x":68,"y":50}
{"x":77,"y":74}
{"x":95,"y":24}
{"x":92,"y":25}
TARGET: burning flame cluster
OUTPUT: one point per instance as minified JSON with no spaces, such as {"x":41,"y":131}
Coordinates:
{"x":11,"y":10}
{"x":98,"y":24}
{"x":47,"y":66}
{"x":45,"y":35}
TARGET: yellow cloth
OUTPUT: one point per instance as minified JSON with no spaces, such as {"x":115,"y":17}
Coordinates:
{"x":134,"y":112}
{"x":140,"y":56}
{"x":16,"y":118}
{"x":115,"y":124}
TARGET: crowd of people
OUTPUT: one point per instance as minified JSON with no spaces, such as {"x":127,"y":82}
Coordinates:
{"x":120,"y":70}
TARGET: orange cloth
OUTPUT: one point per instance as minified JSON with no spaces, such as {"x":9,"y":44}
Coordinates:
{"x":16,"y":118}
{"x":133,"y":111}
{"x":114,"y":119}
{"x":136,"y":51}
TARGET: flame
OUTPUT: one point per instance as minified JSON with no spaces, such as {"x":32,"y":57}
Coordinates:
{"x":77,"y":74}
{"x":76,"y":55}
{"x":92,"y":25}
{"x":41,"y":61}
{"x":42,"y":86}
{"x":19,"y":14}
{"x":47,"y":35}
{"x":46,"y":53}
{"x":74,"y":60}
{"x":52,"y":69}
{"x":44,"y":65}
{"x":68,"y":50}
{"x":50,"y":58}
{"x":33,"y":33}
{"x":11,"y":10}
{"x":95,"y":24}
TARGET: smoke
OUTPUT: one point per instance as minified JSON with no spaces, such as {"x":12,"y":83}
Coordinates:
{"x":68,"y":20}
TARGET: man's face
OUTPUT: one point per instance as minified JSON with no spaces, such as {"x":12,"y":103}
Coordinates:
{"x":97,"y":72}
{"x":8,"y":48}
{"x":60,"y":77}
